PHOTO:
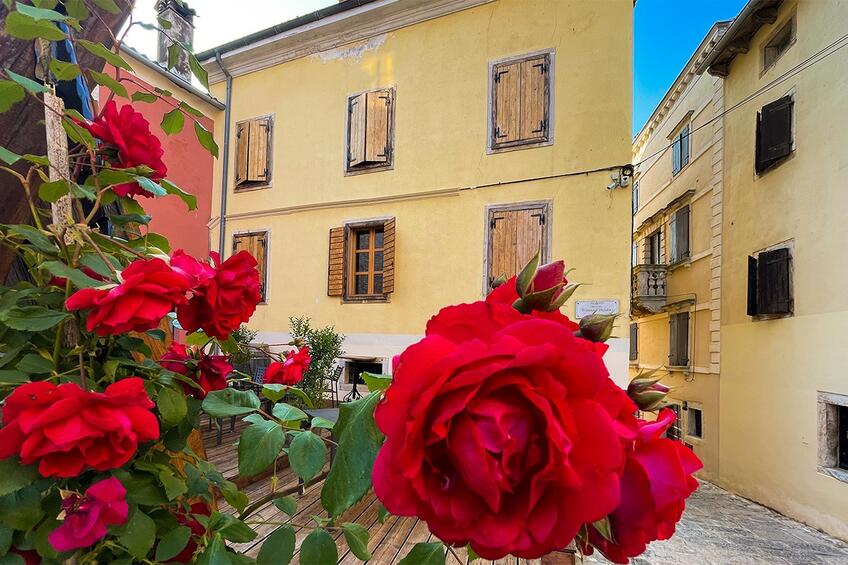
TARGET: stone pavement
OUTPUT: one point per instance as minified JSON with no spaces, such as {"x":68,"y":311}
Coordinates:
{"x":719,"y":528}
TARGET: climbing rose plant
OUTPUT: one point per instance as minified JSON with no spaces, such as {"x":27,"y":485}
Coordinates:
{"x":501,"y":428}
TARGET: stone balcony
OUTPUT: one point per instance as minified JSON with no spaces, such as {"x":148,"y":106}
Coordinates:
{"x":649,"y":288}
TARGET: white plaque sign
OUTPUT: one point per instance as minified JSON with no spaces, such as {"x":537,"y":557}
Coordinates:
{"x":587,"y":307}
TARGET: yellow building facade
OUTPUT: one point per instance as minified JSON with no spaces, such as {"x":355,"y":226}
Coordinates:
{"x":389,"y":159}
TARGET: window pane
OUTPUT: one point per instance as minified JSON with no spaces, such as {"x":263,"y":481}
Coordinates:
{"x":378,"y":260}
{"x":361,"y":286}
{"x":378,"y":238}
{"x":361,"y":262}
{"x":378,"y":284}
{"x":362,"y":239}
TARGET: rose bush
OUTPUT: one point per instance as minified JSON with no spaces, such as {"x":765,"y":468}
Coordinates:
{"x":208,"y":372}
{"x":290,"y":371}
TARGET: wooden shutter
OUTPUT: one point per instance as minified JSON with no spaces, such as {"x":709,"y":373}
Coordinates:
{"x":257,"y":245}
{"x":680,"y":231}
{"x":684,"y":147}
{"x":378,"y":106}
{"x":356,"y":130}
{"x":672,"y":339}
{"x":514,"y":238}
{"x":774,"y":291}
{"x":336,"y":264}
{"x":389,"y":256}
{"x":534,"y":99}
{"x":242,"y":137}
{"x":774,"y":132}
{"x":752,"y":286}
{"x":683,"y":339}
{"x":507,"y":103}
{"x":634,"y":342}
{"x":257,"y":154}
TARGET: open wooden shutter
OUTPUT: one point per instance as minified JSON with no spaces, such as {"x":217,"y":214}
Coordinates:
{"x":356,"y":130}
{"x":534,"y":96}
{"x":242,"y":139}
{"x":336,"y":266}
{"x":389,"y":256}
{"x":774,"y":135}
{"x":752,"y":286}
{"x":378,"y":104}
{"x":257,"y":155}
{"x":507,"y":102}
{"x":774,"y":292}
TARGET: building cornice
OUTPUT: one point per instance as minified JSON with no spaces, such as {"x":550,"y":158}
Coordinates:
{"x":358,"y":24}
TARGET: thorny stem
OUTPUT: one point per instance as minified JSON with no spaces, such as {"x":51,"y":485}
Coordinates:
{"x":83,"y":382}
{"x":99,"y":252}
{"x":279,"y":494}
{"x":57,"y":341}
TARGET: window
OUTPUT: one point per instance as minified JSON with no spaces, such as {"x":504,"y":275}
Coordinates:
{"x":253,"y":153}
{"x":678,"y":339}
{"x":779,"y":43}
{"x":679,"y":230}
{"x":516,"y":234}
{"x":257,"y":245}
{"x":774,"y":133}
{"x":770,"y":284}
{"x":694,"y":422}
{"x":654,"y":243}
{"x":520,"y":102}
{"x":680,"y":150}
{"x":833,"y":435}
{"x":635,"y":197}
{"x":634,"y":342}
{"x":674,"y":432}
{"x":370,"y":130}
{"x":842,"y":453}
{"x":361,"y":262}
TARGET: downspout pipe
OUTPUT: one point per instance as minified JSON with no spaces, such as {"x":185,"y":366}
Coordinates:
{"x":225,"y":171}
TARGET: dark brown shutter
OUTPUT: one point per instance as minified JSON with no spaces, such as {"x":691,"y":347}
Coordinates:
{"x":774,"y":292}
{"x":242,"y":137}
{"x":672,"y":339}
{"x":389,"y":256}
{"x":634,"y":342}
{"x":683,"y":339}
{"x":336,"y":265}
{"x":774,"y":137}
{"x":752,"y":286}
{"x":682,"y":236}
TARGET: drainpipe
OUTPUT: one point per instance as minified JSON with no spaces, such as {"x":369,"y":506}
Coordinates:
{"x":225,"y":172}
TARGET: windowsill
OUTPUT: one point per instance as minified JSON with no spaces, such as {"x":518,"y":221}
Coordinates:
{"x":515,"y":146}
{"x":681,"y":368}
{"x":693,"y":439}
{"x":767,"y":317}
{"x":251,"y":188}
{"x":773,"y":166}
{"x":681,"y":263}
{"x":838,"y":474}
{"x":371,"y":169}
{"x":365,"y":300}
{"x":683,"y":168}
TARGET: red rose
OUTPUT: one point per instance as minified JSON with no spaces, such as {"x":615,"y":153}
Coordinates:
{"x":209,"y":371}
{"x":197,"y":530}
{"x":225,"y":300}
{"x":68,"y":430}
{"x":86,"y":517}
{"x":657,"y":480}
{"x":505,"y":441}
{"x":289,"y":372}
{"x":127,"y":142}
{"x":150,"y":289}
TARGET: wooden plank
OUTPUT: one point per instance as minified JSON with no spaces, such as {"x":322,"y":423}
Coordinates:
{"x":377,"y":533}
{"x":378,"y":106}
{"x":528,"y":235}
{"x":394,"y":541}
{"x":419,"y":534}
{"x":507,"y":102}
{"x":356,"y":130}
{"x":534,"y":97}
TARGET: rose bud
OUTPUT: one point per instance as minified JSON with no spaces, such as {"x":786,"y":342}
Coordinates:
{"x":542,"y":288}
{"x":597,"y":327}
{"x":647,"y":392}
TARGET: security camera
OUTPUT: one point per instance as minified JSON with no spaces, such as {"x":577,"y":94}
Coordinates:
{"x":612,"y":185}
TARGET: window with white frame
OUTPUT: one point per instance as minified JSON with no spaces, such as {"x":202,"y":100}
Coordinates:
{"x":680,"y":149}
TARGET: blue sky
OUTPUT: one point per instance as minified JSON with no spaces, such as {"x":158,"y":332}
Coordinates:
{"x":666,"y":34}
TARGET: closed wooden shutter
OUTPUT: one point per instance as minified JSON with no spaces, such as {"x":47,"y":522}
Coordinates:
{"x":634,"y":342}
{"x":678,"y":339}
{"x":534,"y":97}
{"x":774,"y":138}
{"x":356,"y":130}
{"x":242,"y":138}
{"x":378,"y":105}
{"x":257,"y":245}
{"x":774,"y":291}
{"x":257,"y":155}
{"x":389,"y":256}
{"x":684,"y":147}
{"x":336,"y":265}
{"x":507,"y":103}
{"x":514,"y":238}
{"x":680,"y":234}
{"x":752,"y":286}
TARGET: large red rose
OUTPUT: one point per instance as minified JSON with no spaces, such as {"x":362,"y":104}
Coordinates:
{"x":657,"y":480}
{"x":499,"y":433}
{"x":289,"y":372}
{"x":86,"y":517}
{"x":68,"y":430}
{"x":150,"y":289}
{"x":224,"y":300}
{"x":127,"y":142}
{"x":209,"y":371}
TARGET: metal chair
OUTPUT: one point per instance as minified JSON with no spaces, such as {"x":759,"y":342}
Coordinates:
{"x":330,"y":384}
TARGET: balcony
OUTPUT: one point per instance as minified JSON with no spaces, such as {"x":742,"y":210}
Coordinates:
{"x":648,"y":288}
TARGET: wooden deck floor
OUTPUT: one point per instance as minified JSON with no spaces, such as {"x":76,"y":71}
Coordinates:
{"x":388,"y":542}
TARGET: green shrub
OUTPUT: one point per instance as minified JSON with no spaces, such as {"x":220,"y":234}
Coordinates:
{"x":325,"y":345}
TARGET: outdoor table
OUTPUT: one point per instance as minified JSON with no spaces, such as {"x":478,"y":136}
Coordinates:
{"x":354,"y":393}
{"x":331,"y":414}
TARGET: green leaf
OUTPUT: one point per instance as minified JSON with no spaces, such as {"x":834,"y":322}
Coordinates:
{"x":174,"y":52}
{"x":376,"y":382}
{"x":172,"y":122}
{"x":197,"y":338}
{"x":274,"y":392}
{"x":288,"y":413}
{"x":189,"y":199}
{"x":13,"y":377}
{"x":124,"y":219}
{"x":139,"y":534}
{"x":10,"y":94}
{"x":425,"y":554}
{"x":172,"y":406}
{"x":287,"y":504}
{"x":192,"y":110}
{"x":319,"y":549}
{"x":80,"y":279}
{"x":173,"y":485}
{"x":230,"y":402}
{"x":32,"y":318}
{"x":472,"y":555}
{"x":307,"y":455}
{"x":101,"y":51}
{"x":382,"y":514}
{"x":28,"y":83}
{"x":163,"y":23}
{"x":35,"y":364}
{"x":53,"y":190}
{"x":110,"y":83}
{"x":64,"y":71}
{"x":150,"y":186}
{"x":108,"y":5}
{"x":5,"y":539}
{"x":163,"y":92}
{"x":77,"y":9}
{"x":604,"y":528}
{"x":26,"y":27}
{"x":322,"y":423}
{"x":198,"y":71}
{"x":525,"y":277}
{"x":278,"y":548}
{"x":259,"y":446}
{"x":206,"y":139}
{"x":231,"y":528}
{"x":40,"y":13}
{"x":14,"y":475}
{"x":144,"y":97}
{"x":215,"y":553}
{"x":359,"y":440}
{"x":78,"y":134}
{"x":8,"y":157}
{"x":35,"y":236}
{"x":172,"y":543}
{"x":234,"y":496}
{"x":21,"y":510}
{"x":357,"y":540}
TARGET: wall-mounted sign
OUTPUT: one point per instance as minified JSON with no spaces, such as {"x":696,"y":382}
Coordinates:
{"x":587,"y":307}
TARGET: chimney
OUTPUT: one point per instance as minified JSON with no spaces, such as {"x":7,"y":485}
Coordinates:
{"x":182,"y":29}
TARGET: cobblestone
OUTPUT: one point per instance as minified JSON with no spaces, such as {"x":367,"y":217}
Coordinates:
{"x":719,"y":528}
